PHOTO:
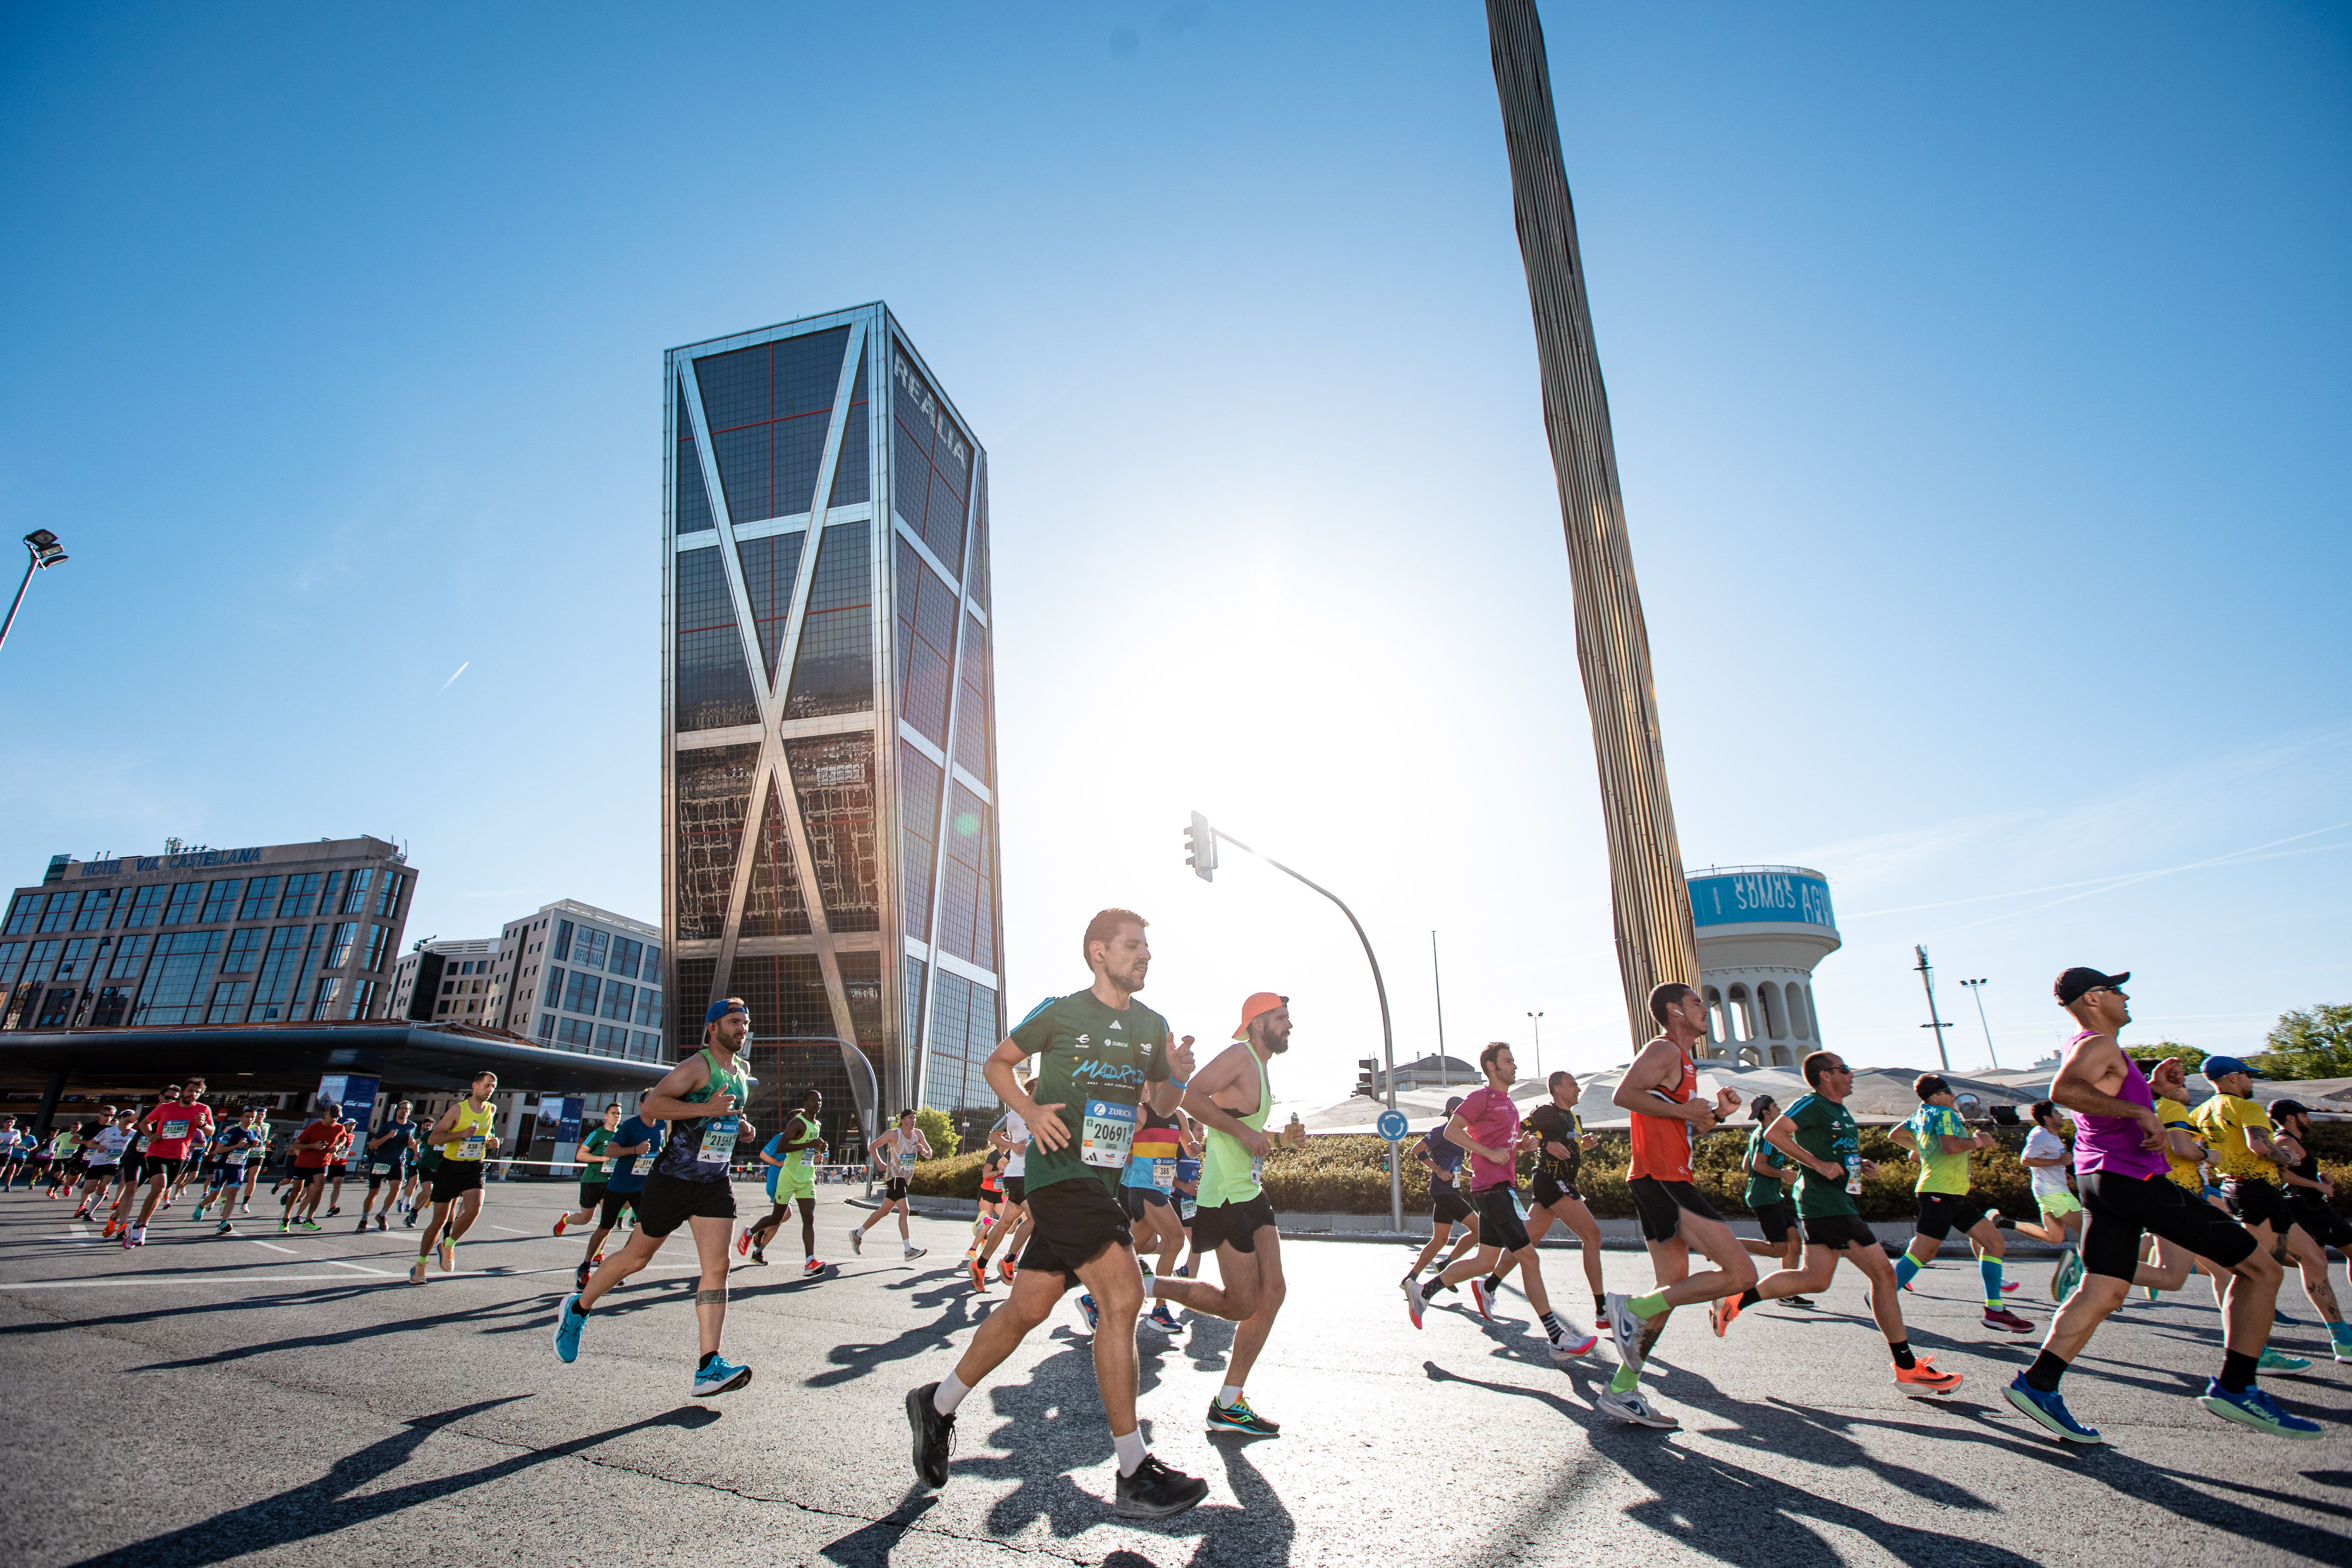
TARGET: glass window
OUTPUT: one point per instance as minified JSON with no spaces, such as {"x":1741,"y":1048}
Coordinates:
{"x":589,"y":948}
{"x":73,"y":963}
{"x":379,"y":938}
{"x":228,"y":1001}
{"x":971,"y":703}
{"x":911,"y":1000}
{"x":714,"y":791}
{"x":187,"y":902}
{"x":129,"y":953}
{"x":12,"y":957}
{"x":926,"y":616}
{"x":768,"y":408}
{"x":239,"y":959}
{"x":57,"y":913}
{"x":395,"y":884}
{"x":714,"y":687}
{"x":547,"y":1026}
{"x":260,"y":899}
{"x":363,"y":999}
{"x":355,"y":894}
{"x":652,"y":971}
{"x":853,"y":480}
{"x":965,"y":893}
{"x":325,"y":995}
{"x":919,"y":781}
{"x":300,"y":892}
{"x":146,"y":907}
{"x":274,"y":994}
{"x":646,"y":1048}
{"x":581,"y":995}
{"x":339,"y":946}
{"x":931,"y":462}
{"x":834,"y":671}
{"x":21,"y":911}
{"x":625,"y":955}
{"x":773,"y":905}
{"x":649,"y":1006}
{"x":331,"y":891}
{"x":834,"y":776}
{"x":576,"y":1033}
{"x":220,"y":902}
{"x":563,"y":939}
{"x":612,"y":1042}
{"x":785,"y":992}
{"x":96,"y":905}
{"x":770,"y":568}
{"x":620,"y":1000}
{"x":181,"y":963}
{"x":553,"y":986}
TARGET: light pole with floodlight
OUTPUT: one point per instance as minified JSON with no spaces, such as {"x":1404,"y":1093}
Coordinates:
{"x":1975,"y":989}
{"x":42,"y":546}
{"x":1538,"y":1023}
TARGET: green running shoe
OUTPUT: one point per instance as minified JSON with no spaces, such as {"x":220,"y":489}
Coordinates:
{"x":1239,"y":1418}
{"x":2279,"y":1360}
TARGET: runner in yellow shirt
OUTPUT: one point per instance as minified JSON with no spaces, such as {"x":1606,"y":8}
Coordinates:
{"x":465,"y":1137}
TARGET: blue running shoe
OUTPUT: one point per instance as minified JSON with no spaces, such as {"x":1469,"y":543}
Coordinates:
{"x":2048,"y":1409}
{"x":2279,"y":1360}
{"x":568,"y":1324}
{"x":1164,"y":1320}
{"x":1088,"y":1311}
{"x":719,"y":1375}
{"x":2288,"y":1319}
{"x":2257,"y":1410}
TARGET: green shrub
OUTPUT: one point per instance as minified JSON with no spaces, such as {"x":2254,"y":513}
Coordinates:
{"x":955,"y":1178}
{"x":938,"y":1131}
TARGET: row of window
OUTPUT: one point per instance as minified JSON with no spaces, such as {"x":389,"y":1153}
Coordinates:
{"x":585,"y":947}
{"x":207,"y":903}
{"x":286,"y":985}
{"x":599,"y":1039}
{"x":269,"y":948}
{"x":597,"y":996}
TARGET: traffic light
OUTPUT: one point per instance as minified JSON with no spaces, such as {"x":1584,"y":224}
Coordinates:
{"x":1201,"y":848}
{"x":1367,"y":1077}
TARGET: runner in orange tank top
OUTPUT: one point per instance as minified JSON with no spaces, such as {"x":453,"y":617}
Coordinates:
{"x":1662,"y":1146}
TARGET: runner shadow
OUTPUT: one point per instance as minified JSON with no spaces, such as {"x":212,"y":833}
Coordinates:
{"x":490,"y":1314}
{"x":853,"y":1359}
{"x":870,"y":1546}
{"x":1269,"y":1532}
{"x":337,"y":1501}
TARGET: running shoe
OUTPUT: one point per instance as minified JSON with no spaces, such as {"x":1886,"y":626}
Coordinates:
{"x":127,"y":1243}
{"x":2007,"y":1286}
{"x":2069,"y":1273}
{"x":1486,"y":1302}
{"x":1155,"y":1491}
{"x":1804,"y":1301}
{"x":384,"y":1220}
{"x":1413,"y":1301}
{"x":1566,"y":1349}
{"x":1721,"y":1312}
{"x":1005,"y":1271}
{"x":812,"y":1269}
{"x":2288,"y":1319}
{"x":362,"y":1229}
{"x":914,"y":1252}
{"x":417,"y":1273}
{"x":934,"y":1436}
{"x":2257,"y":1410}
{"x":1625,"y":1329}
{"x":284,"y":1226}
{"x":332,"y":1209}
{"x":568,"y":1324}
{"x":2049,"y":1410}
{"x":719,"y":1375}
{"x":1088,"y":1311}
{"x":1633,"y":1406}
{"x":309,"y":1225}
{"x":979,"y":1273}
{"x":561,"y":1221}
{"x":225,"y":1229}
{"x":448,"y":1250}
{"x":1239,"y":1418}
{"x":858,"y":1241}
{"x":2343,"y":1351}
{"x":597,"y":1261}
{"x":1923,"y":1376}
{"x":2279,"y":1360}
{"x":108,"y":1233}
{"x":743,"y":1242}
{"x":2007,"y":1321}
{"x":1164,"y":1320}
{"x":580,"y":1276}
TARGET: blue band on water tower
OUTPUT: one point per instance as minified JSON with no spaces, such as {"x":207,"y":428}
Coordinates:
{"x":1749,"y":898}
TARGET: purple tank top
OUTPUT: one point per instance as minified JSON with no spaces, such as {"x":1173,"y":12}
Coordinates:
{"x":2112,"y":1143}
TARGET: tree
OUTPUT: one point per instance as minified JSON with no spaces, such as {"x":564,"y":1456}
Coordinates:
{"x":938,"y":1131}
{"x":2311,"y":1042}
{"x":2191,"y":1058}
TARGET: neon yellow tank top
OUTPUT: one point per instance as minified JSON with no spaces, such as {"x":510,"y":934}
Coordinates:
{"x":469,"y":1137}
{"x":1229,"y":1172}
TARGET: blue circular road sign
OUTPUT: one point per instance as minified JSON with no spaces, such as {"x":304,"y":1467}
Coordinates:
{"x":1392,"y":1125}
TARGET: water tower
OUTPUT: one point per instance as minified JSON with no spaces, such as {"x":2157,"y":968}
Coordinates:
{"x":1761,"y":929}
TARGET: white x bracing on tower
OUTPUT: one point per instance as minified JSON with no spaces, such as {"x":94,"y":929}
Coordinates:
{"x":829,"y":834}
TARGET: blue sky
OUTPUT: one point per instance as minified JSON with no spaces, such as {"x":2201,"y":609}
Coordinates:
{"x":1978,"y":372}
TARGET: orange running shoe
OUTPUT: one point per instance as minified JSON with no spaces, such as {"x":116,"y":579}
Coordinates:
{"x":1926,"y":1378}
{"x":1720,"y":1311}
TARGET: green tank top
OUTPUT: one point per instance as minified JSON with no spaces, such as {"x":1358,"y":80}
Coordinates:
{"x":1229,"y":1172}
{"x":699,"y":1149}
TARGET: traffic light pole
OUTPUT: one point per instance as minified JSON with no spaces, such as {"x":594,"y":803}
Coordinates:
{"x":1388,"y":1039}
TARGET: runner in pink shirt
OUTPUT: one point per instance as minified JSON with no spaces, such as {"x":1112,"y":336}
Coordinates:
{"x":170,"y":1128}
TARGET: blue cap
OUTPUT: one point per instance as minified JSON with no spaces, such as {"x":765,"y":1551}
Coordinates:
{"x":718,"y":1010}
{"x":2223,"y":1066}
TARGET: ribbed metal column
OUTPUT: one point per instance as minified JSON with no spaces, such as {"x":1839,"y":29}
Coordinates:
{"x":1649,"y":900}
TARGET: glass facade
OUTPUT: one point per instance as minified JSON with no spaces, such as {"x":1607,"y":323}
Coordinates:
{"x":840,"y":874}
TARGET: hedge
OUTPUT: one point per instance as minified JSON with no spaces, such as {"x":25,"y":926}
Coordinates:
{"x":1348,"y":1173}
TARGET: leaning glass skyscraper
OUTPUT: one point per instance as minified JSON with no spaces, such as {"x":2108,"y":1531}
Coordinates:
{"x":829,"y":844}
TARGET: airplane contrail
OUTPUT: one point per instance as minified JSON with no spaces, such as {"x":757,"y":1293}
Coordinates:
{"x":453,"y":678}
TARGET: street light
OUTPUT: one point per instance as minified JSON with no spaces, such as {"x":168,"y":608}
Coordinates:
{"x":1974,"y":991}
{"x":42,"y":546}
{"x":1538,"y":1018}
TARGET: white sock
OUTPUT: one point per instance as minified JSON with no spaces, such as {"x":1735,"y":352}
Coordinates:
{"x":949,"y":1394}
{"x":1147,"y":1287}
{"x":1230,"y":1396}
{"x":1131,"y":1451}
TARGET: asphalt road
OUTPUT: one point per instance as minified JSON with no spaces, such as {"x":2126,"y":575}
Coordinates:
{"x":293,"y":1400}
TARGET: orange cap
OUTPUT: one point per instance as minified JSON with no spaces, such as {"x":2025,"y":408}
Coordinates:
{"x":1259,"y":1002}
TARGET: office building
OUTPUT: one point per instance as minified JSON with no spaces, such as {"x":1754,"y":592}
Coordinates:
{"x":829,"y":843}
{"x":570,"y":975}
{"x":273,"y":934}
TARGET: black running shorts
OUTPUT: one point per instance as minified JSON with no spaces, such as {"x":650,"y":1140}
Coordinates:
{"x":2321,"y":1222}
{"x":894,"y":1190}
{"x":1016,"y":1190}
{"x":1232,"y":1225}
{"x":1940,"y":1214}
{"x":591,"y":1194}
{"x":1140,"y":1201}
{"x":669,"y":1201}
{"x":1775,"y":1220}
{"x":1072,"y":1222}
{"x":451,"y":1179}
{"x":1838,"y":1231}
{"x":608,"y":1213}
{"x":1499,"y":1224}
{"x":1447,"y":1206}
{"x":167,"y":1170}
{"x":1545,"y":1190}
{"x":2257,"y":1202}
{"x":2118,"y":1208}
{"x":1662,"y":1204}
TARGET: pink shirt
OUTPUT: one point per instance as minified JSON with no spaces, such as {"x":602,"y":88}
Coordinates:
{"x":1488,"y":1116}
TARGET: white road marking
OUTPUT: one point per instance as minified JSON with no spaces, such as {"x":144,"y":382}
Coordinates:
{"x":274,"y":1246}
{"x":512,"y":1231}
{"x":80,"y":1232}
{"x":381,"y":1273}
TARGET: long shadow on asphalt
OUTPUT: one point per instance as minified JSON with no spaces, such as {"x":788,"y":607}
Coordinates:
{"x":328,"y":1504}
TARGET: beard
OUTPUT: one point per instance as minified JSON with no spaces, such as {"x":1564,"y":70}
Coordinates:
{"x":1277,"y":1046}
{"x":1132,"y":980}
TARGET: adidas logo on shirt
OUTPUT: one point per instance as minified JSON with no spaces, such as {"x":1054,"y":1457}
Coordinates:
{"x":1114,"y":1024}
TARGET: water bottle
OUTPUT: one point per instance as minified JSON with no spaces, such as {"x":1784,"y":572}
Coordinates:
{"x":1853,"y":1174}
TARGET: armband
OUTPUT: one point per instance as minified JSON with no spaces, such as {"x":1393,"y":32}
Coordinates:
{"x":1178,"y":1084}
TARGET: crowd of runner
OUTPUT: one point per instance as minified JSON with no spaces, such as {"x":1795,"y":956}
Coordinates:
{"x":1124,"y":1161}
